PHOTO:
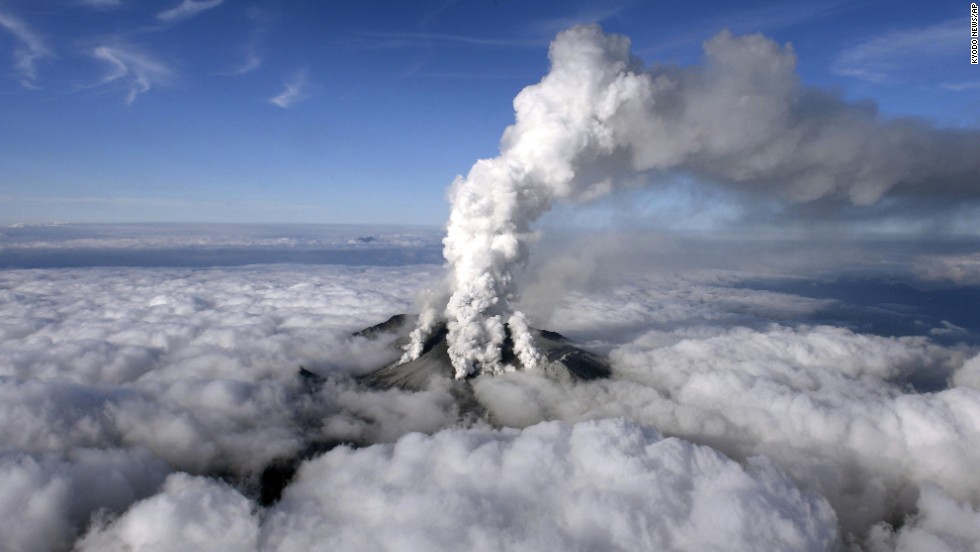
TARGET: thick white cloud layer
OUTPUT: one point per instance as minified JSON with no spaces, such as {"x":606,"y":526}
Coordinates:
{"x":113,"y":379}
{"x":941,"y":525}
{"x":606,"y":485}
{"x":190,"y":514}
{"x":110,"y":378}
{"x":199,"y":366}
{"x":609,"y":485}
{"x":829,"y":406}
{"x":47,"y":499}
{"x":120,"y":325}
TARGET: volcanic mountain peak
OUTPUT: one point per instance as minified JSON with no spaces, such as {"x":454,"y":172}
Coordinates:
{"x":560,"y":359}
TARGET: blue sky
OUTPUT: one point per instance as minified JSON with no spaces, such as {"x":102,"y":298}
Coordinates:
{"x":348,"y":111}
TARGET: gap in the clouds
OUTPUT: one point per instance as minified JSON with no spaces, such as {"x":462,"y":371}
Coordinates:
{"x":889,"y":307}
{"x":945,"y":315}
{"x":266,"y":486}
{"x":212,"y":245}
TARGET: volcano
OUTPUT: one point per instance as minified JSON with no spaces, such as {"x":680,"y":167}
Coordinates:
{"x":560,"y":359}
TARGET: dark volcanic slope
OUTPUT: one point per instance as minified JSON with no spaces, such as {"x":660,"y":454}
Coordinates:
{"x":563,"y":360}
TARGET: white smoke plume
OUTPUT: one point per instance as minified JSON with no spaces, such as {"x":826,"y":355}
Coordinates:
{"x":599,"y":120}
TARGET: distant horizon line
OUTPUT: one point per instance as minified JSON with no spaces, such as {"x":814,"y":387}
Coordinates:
{"x":747,"y":234}
{"x":9,"y":225}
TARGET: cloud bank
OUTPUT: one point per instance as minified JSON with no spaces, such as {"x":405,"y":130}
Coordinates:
{"x":609,"y":485}
{"x":135,"y":401}
{"x":71,"y":245}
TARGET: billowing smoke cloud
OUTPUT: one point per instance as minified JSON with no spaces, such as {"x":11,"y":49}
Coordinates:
{"x":599,"y":119}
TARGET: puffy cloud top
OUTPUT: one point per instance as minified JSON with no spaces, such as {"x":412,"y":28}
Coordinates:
{"x":609,"y":485}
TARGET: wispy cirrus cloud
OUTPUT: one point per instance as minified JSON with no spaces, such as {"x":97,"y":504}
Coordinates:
{"x":765,"y":18}
{"x":101,"y":4}
{"x":379,"y":40}
{"x":593,"y":14}
{"x":296,"y":90}
{"x":251,"y":58}
{"x":187,"y":8}
{"x":138,"y":70}
{"x":883,"y":57}
{"x":249,"y":62}
{"x":30,"y":49}
{"x":961,"y":86}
